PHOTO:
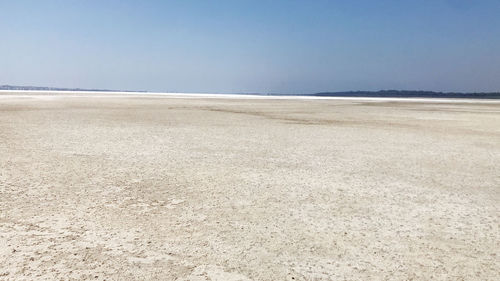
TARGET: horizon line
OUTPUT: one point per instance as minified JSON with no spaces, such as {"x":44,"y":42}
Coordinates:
{"x":5,"y":87}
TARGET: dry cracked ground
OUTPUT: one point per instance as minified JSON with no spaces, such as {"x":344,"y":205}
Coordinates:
{"x":162,"y":188}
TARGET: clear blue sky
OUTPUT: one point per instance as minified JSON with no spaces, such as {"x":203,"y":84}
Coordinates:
{"x":252,"y":46}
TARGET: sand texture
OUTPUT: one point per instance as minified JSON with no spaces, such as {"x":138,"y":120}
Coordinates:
{"x":159,"y":188}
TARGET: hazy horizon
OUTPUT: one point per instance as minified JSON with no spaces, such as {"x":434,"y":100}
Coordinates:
{"x":386,"y":91}
{"x":252,"y":46}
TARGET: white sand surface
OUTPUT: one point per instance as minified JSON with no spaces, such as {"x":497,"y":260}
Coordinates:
{"x":128,"y":186}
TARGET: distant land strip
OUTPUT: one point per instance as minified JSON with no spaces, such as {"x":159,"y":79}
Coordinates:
{"x":371,"y":94}
{"x":36,"y":88}
{"x":409,"y":94}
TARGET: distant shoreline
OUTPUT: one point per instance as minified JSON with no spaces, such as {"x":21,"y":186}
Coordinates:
{"x":360,"y":94}
{"x":411,"y":94}
{"x":50,"y":95}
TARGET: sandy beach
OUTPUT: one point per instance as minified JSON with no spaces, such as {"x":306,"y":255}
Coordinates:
{"x":114,"y":186}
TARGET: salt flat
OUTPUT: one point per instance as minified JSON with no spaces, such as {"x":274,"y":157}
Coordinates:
{"x":165,"y":187}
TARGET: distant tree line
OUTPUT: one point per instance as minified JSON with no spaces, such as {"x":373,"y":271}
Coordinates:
{"x":409,"y":94}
